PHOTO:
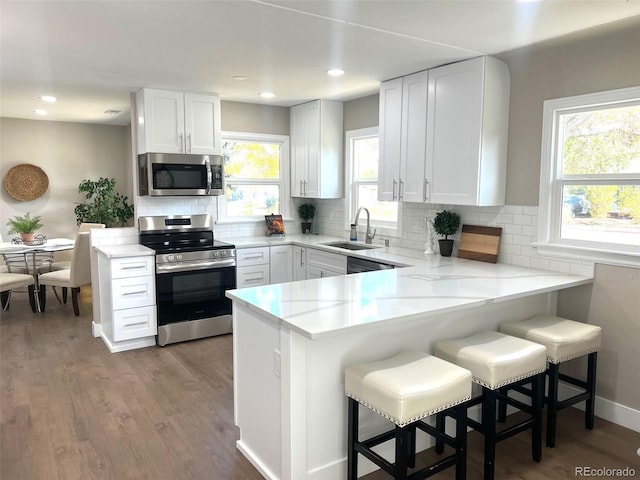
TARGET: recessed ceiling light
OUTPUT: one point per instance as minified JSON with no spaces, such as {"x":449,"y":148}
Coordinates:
{"x":267,"y":94}
{"x":48,"y":98}
{"x":240,"y":78}
{"x":335,"y":72}
{"x":40,"y":112}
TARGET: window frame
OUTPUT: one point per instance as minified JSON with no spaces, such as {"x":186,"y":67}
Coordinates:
{"x":283,"y":181}
{"x":549,"y":241}
{"x":351,"y":187}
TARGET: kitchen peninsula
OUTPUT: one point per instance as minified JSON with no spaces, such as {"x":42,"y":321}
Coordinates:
{"x":292,"y":342}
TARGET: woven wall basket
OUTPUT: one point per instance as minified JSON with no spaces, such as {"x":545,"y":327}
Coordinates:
{"x":26,"y":182}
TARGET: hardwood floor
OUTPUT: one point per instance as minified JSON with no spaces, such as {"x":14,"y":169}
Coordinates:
{"x":69,"y":410}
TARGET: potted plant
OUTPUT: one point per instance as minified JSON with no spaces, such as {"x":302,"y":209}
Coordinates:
{"x":446,"y":223}
{"x":104,"y":204}
{"x":306,"y":211}
{"x":25,"y":226}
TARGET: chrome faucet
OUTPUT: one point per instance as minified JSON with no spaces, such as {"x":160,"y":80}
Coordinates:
{"x":368,"y":235}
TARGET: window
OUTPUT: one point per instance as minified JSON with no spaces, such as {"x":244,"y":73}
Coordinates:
{"x":362,"y":175}
{"x":590,"y":177}
{"x":255,"y":174}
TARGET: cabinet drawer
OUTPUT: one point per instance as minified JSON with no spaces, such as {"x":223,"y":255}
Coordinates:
{"x":327,"y":261}
{"x":252,"y":256}
{"x":133,"y":292}
{"x":252,"y":276}
{"x":132,"y":267}
{"x":134,"y":323}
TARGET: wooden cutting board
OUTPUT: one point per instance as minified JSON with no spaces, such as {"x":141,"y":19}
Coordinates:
{"x":480,"y":243}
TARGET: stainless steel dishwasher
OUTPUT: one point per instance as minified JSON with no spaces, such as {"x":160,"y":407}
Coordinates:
{"x":359,"y":265}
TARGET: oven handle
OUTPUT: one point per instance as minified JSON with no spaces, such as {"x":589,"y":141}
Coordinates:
{"x":190,"y":266}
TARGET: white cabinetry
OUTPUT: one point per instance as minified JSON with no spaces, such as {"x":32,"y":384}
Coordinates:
{"x":281,"y":264}
{"x":324,"y":264}
{"x":299,"y":263}
{"x":252,"y":267}
{"x":127,"y":300}
{"x":403,"y":126}
{"x":467,"y":129}
{"x":316,"y":149}
{"x":177,"y":122}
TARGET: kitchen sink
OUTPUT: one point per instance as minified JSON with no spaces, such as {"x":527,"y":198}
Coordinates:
{"x":350,"y":245}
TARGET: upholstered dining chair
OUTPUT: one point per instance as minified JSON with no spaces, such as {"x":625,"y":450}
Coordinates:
{"x":12,"y":281}
{"x":77,"y":275}
{"x":65,"y":264}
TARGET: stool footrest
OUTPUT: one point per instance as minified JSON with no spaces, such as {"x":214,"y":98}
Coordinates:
{"x":572,"y":380}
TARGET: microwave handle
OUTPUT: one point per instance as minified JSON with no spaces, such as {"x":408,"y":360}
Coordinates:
{"x":209,"y":179}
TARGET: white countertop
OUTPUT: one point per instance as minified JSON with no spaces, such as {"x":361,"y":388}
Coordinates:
{"x":121,"y":251}
{"x":434,"y":285}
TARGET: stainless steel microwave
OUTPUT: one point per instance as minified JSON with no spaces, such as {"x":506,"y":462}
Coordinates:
{"x":170,"y":174}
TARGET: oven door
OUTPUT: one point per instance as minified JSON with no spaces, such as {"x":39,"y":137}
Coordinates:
{"x":194,"y":294}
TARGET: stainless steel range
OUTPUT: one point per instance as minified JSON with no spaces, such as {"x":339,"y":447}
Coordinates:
{"x":193,"y":272}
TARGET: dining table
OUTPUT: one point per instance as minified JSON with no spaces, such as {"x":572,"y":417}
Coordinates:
{"x":30,"y":253}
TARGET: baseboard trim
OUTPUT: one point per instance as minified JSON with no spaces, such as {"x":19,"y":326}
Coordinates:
{"x":608,"y":410}
{"x":264,"y":471}
{"x":96,"y":329}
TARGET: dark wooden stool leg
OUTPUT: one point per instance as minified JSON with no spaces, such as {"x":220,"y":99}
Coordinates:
{"x":74,"y":300}
{"x":440,"y":426}
{"x":552,"y":403}
{"x":461,"y":442}
{"x":402,"y":453}
{"x":537,"y":393}
{"x":589,"y":412}
{"x":412,"y":445}
{"x":6,"y":296}
{"x":489,"y":425}
{"x":352,"y":437}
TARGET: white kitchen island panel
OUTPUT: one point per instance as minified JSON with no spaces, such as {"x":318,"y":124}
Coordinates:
{"x":293,"y":341}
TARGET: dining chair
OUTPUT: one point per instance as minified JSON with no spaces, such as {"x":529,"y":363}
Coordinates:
{"x":12,"y":281}
{"x":65,"y":264}
{"x":76,"y":276}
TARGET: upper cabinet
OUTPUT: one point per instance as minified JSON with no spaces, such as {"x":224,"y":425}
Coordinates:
{"x":177,"y":122}
{"x":467,"y":130}
{"x":316,"y":149}
{"x":443,"y":134}
{"x":403,"y":129}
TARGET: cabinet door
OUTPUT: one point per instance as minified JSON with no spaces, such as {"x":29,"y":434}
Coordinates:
{"x":327,"y":261}
{"x":411,"y":187}
{"x":202,"y":124}
{"x":281,"y":264}
{"x":298,"y":141}
{"x":299,"y":263}
{"x":312,"y":114}
{"x":390,"y":117}
{"x":134,"y":323}
{"x":252,"y":256}
{"x":454,"y":130}
{"x":163,"y":121}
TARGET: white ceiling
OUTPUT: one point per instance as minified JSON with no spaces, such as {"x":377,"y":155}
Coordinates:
{"x":92,"y":54}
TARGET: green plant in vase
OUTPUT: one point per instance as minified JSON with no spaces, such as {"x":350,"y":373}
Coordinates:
{"x":306,"y":211}
{"x":446,"y":223}
{"x":25,"y":226}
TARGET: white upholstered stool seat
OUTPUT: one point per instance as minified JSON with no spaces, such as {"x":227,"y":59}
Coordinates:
{"x":406,"y":388}
{"x":495,"y":361}
{"x":565,"y":340}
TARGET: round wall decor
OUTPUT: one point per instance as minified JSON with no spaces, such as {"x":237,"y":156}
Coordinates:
{"x":26,"y":182}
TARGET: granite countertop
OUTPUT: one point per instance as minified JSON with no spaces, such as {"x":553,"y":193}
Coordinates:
{"x":431,"y":285}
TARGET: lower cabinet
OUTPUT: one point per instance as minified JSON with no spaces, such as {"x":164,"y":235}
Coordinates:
{"x":126,"y":286}
{"x":281,"y":264}
{"x":252,"y":267}
{"x":299,"y":263}
{"x":324,"y":264}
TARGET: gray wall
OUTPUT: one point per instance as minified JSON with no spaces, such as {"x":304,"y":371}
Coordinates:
{"x":253,"y":118}
{"x":68,"y":153}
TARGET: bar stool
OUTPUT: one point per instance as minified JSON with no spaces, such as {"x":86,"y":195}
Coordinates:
{"x":404,"y":389}
{"x":496,"y":360}
{"x":565,"y":340}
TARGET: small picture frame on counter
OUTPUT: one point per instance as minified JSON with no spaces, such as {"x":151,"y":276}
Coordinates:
{"x":275,"y":225}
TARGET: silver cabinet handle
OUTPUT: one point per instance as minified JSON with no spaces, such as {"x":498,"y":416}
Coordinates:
{"x":401,"y":191}
{"x":134,"y":267}
{"x":135,"y":324}
{"x":189,"y":142}
{"x":181,"y":143}
{"x":253,"y":257}
{"x":135,"y":293}
{"x":427,"y":193}
{"x":393,"y":194}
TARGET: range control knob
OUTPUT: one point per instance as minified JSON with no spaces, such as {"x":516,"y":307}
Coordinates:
{"x":179,"y":256}
{"x":169,"y":258}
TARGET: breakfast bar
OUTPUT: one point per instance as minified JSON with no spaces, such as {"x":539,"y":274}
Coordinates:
{"x":292,"y":342}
